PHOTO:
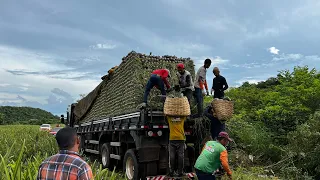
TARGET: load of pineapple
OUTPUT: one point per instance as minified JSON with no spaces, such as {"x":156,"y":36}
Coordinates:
{"x":124,"y":90}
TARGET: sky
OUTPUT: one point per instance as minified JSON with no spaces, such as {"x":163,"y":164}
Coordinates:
{"x":52,"y":51}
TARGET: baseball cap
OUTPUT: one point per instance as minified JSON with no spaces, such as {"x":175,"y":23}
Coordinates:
{"x":180,"y":66}
{"x":225,"y":135}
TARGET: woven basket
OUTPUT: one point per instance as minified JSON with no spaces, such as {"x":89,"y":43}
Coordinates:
{"x":176,"y":107}
{"x":223,"y":109}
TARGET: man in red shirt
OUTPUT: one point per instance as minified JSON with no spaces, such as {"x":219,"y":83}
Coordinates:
{"x":158,"y":79}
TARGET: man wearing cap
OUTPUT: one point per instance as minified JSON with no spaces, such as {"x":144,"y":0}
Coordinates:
{"x":213,"y":155}
{"x":200,"y":84}
{"x":185,"y":81}
{"x":219,"y":84}
{"x":158,"y":79}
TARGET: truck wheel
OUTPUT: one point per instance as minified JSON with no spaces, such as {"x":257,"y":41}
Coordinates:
{"x":105,"y":155}
{"x":130,"y":165}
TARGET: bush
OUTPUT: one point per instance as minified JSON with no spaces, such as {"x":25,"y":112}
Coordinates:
{"x":254,"y":138}
{"x":304,"y":146}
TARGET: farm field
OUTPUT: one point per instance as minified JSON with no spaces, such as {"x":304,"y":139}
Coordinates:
{"x":24,"y":147}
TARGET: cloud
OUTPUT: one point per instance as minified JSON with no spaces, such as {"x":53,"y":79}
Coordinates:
{"x":4,"y":84}
{"x":273,"y":50}
{"x":253,"y":65}
{"x":36,"y":76}
{"x":217,"y":60}
{"x":250,"y":80}
{"x":160,"y":44}
{"x":107,"y":46}
{"x":61,"y":92}
{"x":60,"y":74}
{"x":21,"y":98}
{"x":288,"y":57}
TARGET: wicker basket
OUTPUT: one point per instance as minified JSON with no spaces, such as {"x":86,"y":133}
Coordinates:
{"x":176,"y":107}
{"x":223,"y":109}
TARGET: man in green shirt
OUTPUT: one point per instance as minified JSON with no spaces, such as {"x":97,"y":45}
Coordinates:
{"x":213,"y":155}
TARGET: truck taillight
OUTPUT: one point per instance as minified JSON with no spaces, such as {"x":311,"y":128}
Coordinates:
{"x":150,"y":133}
{"x":154,"y":134}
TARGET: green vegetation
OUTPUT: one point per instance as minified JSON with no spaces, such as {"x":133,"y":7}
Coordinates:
{"x":26,"y":115}
{"x":21,"y":156}
{"x":278,"y":123}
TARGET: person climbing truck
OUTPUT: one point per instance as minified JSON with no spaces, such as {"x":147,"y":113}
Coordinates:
{"x":176,"y":145}
{"x":185,"y":81}
{"x":213,"y":155}
{"x":216,"y":125}
{"x":158,"y":79}
{"x":200,"y":84}
{"x":219,"y":84}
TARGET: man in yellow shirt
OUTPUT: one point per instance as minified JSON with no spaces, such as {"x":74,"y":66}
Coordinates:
{"x":176,"y":144}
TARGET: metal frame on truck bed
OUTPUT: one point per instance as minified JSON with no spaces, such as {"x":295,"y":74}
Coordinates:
{"x":136,"y":141}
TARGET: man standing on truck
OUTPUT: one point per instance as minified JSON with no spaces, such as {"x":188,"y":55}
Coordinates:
{"x":67,"y":164}
{"x":213,"y":154}
{"x":219,"y":84}
{"x":176,"y":144}
{"x":185,"y":81}
{"x":158,"y":79}
{"x":200,"y":84}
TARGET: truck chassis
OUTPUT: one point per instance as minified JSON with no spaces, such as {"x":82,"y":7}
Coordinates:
{"x":137,"y":142}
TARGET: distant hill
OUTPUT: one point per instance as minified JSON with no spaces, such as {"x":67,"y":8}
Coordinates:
{"x":25,"y":115}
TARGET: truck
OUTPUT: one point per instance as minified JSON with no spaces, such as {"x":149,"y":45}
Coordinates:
{"x":135,"y":141}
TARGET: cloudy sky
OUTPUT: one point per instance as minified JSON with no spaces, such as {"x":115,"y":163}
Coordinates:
{"x":52,"y":51}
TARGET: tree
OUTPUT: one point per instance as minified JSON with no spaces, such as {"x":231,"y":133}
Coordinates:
{"x":2,"y":119}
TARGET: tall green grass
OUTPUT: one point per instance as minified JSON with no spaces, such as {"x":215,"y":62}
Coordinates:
{"x":23,"y":148}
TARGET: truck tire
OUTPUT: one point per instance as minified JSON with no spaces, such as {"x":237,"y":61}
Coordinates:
{"x":131,"y":165}
{"x":106,"y":161}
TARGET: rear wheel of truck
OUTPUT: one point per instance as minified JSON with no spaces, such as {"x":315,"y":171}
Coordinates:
{"x":131,"y":165}
{"x":105,"y":155}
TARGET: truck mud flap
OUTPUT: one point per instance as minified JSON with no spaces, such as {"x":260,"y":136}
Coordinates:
{"x":148,"y":154}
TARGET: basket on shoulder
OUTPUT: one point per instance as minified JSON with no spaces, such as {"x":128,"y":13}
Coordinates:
{"x":223,"y":108}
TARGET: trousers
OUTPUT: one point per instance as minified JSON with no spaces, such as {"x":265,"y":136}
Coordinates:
{"x":199,"y":99}
{"x":188,"y":93}
{"x":153,"y":81}
{"x":204,"y":176}
{"x":176,"y":150}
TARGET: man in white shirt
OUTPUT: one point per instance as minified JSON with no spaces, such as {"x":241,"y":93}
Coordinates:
{"x":200,"y":84}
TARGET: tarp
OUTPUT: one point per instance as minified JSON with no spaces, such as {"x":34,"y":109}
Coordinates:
{"x":84,"y":105}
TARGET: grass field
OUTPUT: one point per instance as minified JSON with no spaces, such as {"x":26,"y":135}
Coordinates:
{"x":24,"y":147}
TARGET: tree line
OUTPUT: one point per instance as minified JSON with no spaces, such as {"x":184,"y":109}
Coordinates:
{"x":25,"y":115}
{"x":278,"y":122}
